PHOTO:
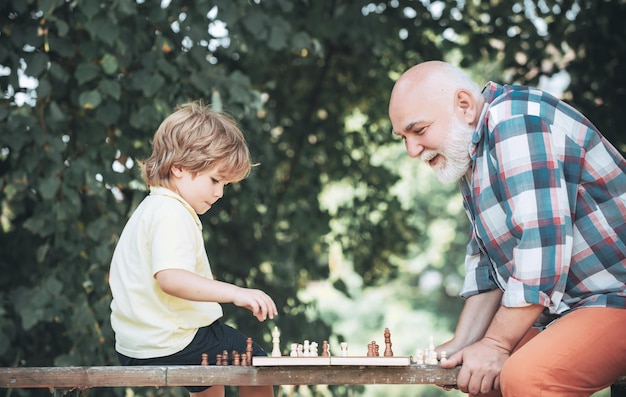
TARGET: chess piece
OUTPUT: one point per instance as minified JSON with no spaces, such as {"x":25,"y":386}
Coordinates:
{"x":225,"y":358}
{"x":205,"y":359}
{"x":419,"y":357}
{"x":431,"y":359}
{"x":325,"y":349}
{"x":249,"y":350}
{"x":294,"y":350}
{"x":388,"y":351}
{"x":313,"y":349}
{"x":276,"y":343}
{"x":344,"y":349}
{"x":306,"y":348}
{"x":218,"y":359}
{"x":444,"y":356}
{"x":370,"y":350}
{"x":236,"y":358}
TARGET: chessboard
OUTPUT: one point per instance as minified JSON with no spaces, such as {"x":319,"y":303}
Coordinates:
{"x":307,"y":354}
{"x":260,"y":361}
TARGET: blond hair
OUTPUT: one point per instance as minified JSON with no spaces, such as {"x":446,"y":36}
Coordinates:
{"x":196,"y":138}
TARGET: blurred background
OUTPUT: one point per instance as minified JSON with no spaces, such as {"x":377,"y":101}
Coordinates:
{"x":336,"y":223}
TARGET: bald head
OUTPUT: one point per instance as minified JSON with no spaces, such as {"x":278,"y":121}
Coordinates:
{"x":430,"y":86}
{"x":431,"y":80}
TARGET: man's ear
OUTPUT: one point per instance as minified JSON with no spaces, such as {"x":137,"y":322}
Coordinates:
{"x":465,"y":105}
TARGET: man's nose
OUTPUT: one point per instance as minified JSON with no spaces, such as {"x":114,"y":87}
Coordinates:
{"x":413,"y":147}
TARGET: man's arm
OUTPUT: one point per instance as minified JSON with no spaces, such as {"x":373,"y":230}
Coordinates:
{"x":474,"y":321}
{"x":509,"y":326}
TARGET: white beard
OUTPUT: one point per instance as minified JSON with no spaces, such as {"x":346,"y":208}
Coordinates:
{"x":455,"y":161}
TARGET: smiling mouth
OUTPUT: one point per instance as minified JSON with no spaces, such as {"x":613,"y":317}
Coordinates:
{"x":434,"y":160}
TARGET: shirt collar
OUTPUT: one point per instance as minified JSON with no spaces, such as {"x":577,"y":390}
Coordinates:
{"x":490,"y":92}
{"x":162,"y":191}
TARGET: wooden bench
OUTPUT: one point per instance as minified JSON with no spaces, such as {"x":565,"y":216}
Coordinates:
{"x":78,"y":378}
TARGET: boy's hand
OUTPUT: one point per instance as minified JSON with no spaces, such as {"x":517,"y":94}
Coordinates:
{"x":258,"y":302}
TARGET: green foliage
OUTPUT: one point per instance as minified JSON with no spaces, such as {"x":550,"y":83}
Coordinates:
{"x":86,"y":83}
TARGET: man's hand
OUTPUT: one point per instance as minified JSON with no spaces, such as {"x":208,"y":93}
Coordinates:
{"x":481,"y":364}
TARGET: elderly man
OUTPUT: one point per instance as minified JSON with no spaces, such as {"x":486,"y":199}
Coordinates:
{"x":546,"y":197}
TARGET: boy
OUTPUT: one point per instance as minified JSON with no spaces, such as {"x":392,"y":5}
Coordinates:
{"x":166,"y":305}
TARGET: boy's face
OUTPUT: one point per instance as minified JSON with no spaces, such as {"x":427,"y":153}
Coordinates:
{"x":202,"y":190}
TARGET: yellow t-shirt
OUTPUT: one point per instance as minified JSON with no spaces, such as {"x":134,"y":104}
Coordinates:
{"x":164,"y":232}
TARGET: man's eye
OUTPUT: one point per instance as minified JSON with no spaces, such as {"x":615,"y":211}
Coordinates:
{"x":215,"y":181}
{"x":419,"y":131}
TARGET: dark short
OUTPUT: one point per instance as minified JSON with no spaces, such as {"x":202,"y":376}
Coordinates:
{"x":212,"y":340}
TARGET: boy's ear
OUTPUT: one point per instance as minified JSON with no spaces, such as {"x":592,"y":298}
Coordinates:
{"x":176,"y":171}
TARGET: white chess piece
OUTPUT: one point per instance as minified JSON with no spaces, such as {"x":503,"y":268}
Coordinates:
{"x":419,"y":357}
{"x":306,"y":348}
{"x":276,"y":343}
{"x":294,"y":350}
{"x":444,"y":356}
{"x":344,"y":349}
{"x":313,"y":349}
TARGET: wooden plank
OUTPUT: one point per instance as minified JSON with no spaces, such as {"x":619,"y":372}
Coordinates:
{"x":311,"y":375}
{"x":118,"y":376}
{"x":82,"y":377}
{"x":113,"y":376}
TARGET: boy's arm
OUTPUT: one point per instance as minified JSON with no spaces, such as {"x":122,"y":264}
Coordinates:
{"x":184,"y":284}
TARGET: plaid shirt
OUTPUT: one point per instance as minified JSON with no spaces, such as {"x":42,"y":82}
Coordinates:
{"x":547,"y":204}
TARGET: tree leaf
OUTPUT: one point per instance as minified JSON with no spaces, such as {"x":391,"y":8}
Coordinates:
{"x":110,"y":88}
{"x":36,"y":64}
{"x":109,"y":64}
{"x":86,"y":72}
{"x":90,"y":99}
{"x":49,"y":186}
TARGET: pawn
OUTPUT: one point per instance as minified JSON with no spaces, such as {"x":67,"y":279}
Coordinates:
{"x":344,"y":349}
{"x":306,"y":348}
{"x":236,"y":358}
{"x":218,"y":359}
{"x":294,"y":350}
{"x":444,"y":357}
{"x":205,"y":359}
{"x":419,"y":357}
{"x":370,"y":350}
{"x":225,"y":359}
{"x":325,"y":349}
{"x":313,"y":349}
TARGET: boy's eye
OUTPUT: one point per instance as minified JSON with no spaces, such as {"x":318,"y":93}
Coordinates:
{"x":215,"y":181}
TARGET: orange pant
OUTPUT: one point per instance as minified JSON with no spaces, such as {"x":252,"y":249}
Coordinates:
{"x":579,"y":354}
